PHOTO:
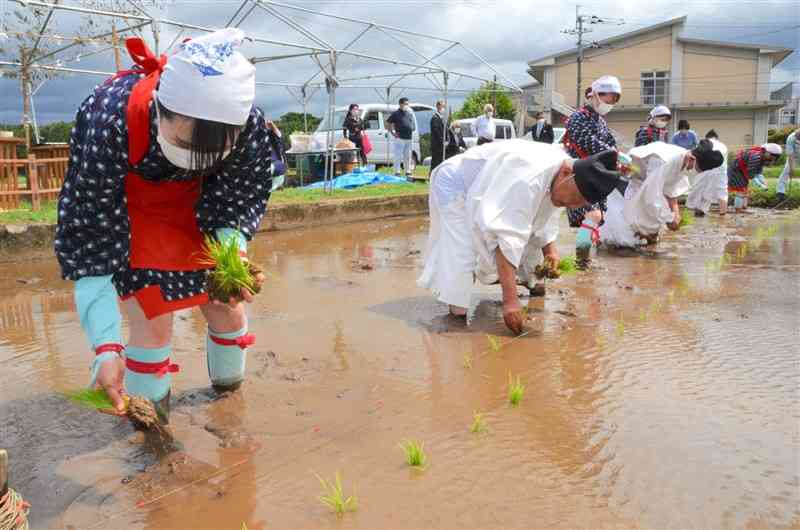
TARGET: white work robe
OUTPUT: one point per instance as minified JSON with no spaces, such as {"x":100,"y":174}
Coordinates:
{"x":495,"y":195}
{"x":644,"y":208}
{"x":710,"y":186}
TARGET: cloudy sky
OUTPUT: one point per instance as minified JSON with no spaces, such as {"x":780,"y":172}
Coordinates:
{"x":506,"y":33}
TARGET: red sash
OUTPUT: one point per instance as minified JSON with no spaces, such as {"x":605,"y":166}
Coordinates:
{"x":164,"y":231}
{"x":567,"y":141}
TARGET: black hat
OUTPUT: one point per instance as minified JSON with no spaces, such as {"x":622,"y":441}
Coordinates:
{"x":597,"y":176}
{"x":705,"y":156}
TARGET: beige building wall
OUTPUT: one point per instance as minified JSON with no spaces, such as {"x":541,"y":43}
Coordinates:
{"x":735,"y":128}
{"x":719,"y":74}
{"x":627,"y":63}
{"x":625,"y":125}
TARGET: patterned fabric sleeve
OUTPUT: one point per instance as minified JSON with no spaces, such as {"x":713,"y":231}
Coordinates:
{"x":92,"y":233}
{"x":755,"y":164}
{"x":583,"y":131}
{"x":237,"y":196}
{"x":641,"y":137}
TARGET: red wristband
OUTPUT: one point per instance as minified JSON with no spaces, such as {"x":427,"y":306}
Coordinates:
{"x":103,"y":348}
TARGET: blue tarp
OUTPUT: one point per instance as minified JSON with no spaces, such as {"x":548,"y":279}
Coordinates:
{"x":356,"y":180}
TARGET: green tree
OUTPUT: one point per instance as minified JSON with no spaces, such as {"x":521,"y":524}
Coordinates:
{"x":473,"y":104}
{"x":293,"y":122}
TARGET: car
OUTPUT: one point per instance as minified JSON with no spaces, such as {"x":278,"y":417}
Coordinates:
{"x":504,"y":130}
{"x":558,"y":134}
{"x":374,"y":116}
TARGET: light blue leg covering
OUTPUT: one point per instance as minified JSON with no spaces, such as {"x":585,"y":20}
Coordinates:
{"x":226,"y":363}
{"x":583,"y":240}
{"x":151,"y":386}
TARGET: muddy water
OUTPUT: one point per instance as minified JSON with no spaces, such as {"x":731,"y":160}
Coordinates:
{"x":661,"y":392}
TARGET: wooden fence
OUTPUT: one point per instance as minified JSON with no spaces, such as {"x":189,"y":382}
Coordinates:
{"x":37,"y":178}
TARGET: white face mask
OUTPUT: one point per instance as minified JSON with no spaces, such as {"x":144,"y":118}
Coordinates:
{"x":177,"y":156}
{"x":540,"y":120}
{"x":603,"y":108}
{"x":660,"y":123}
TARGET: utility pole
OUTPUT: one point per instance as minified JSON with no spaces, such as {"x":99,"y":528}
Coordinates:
{"x":494,"y":95}
{"x":579,"y":30}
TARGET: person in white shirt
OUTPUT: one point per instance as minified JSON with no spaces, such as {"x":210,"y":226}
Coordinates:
{"x":484,"y":127}
{"x":711,"y":186}
{"x":659,"y":175}
{"x":792,"y":160}
{"x":494,"y":214}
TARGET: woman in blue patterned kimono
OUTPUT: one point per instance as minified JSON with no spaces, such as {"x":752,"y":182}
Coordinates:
{"x":163,"y":156}
{"x":588,"y":134}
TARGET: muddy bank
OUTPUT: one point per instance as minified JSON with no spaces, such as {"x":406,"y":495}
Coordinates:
{"x":661,"y":392}
{"x":278,"y":217}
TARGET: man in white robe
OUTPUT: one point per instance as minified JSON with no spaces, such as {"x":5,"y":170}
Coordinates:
{"x":494,"y":215}
{"x":660,"y":175}
{"x":711,"y":186}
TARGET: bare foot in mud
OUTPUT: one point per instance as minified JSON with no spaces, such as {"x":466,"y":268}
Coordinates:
{"x":458,"y":311}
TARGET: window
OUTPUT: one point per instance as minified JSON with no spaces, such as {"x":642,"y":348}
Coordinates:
{"x":788,"y":117}
{"x":503,"y":132}
{"x":371,"y":121}
{"x":655,"y":88}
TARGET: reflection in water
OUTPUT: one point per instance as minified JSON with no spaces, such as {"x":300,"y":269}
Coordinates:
{"x":661,"y":392}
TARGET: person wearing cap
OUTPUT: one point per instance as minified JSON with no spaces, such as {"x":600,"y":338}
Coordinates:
{"x":494,"y":214}
{"x":792,"y":162}
{"x":747,"y":165}
{"x":162,"y":157}
{"x":587,"y":133}
{"x":655,"y":130}
{"x":659,"y":175}
{"x":710,"y":186}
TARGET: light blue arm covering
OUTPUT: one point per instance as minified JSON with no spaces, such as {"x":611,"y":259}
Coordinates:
{"x":96,"y":301}
{"x":225,"y":234}
{"x":759,"y":181}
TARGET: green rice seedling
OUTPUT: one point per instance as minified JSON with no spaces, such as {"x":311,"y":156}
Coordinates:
{"x":494,"y":343}
{"x":642,"y":314}
{"x":90,"y":399}
{"x":467,"y":362}
{"x":568,"y":265}
{"x":515,"y":390}
{"x":478,"y":426}
{"x":686,"y":218}
{"x":230,"y":273}
{"x":334,"y":498}
{"x":620,"y":328}
{"x":415,"y":453}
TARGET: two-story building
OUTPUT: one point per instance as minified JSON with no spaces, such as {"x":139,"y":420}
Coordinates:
{"x":712,"y":84}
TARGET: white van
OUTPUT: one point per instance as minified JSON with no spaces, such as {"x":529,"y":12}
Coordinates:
{"x":504,"y":130}
{"x":374,"y":116}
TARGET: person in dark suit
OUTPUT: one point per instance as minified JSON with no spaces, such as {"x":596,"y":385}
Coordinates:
{"x":542,"y":131}
{"x":437,"y":136}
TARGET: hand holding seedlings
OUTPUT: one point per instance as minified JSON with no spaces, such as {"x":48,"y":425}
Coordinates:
{"x":233,"y":278}
{"x":513,"y":316}
{"x":109,"y":379}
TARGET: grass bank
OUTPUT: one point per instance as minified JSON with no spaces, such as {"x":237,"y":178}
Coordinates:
{"x":283,"y":196}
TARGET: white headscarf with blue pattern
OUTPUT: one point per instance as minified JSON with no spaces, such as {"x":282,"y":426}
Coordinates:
{"x":209,"y":79}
